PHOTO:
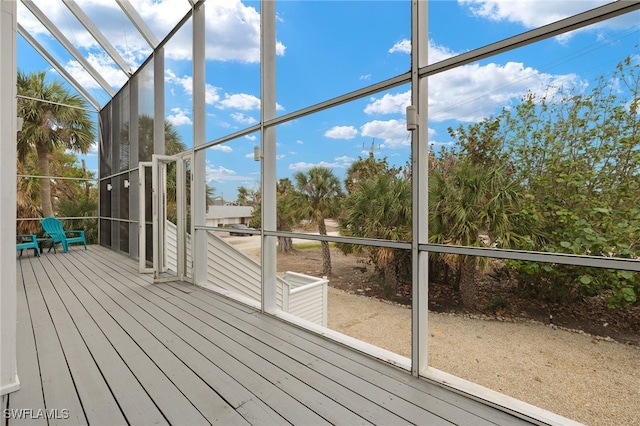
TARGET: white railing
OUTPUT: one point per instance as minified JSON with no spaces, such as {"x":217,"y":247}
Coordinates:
{"x":233,"y":272}
{"x":306,"y":296}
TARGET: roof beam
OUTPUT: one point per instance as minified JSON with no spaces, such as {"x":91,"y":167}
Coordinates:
{"x":97,"y":34}
{"x":56,"y":65}
{"x":50,"y":26}
{"x":138,"y":22}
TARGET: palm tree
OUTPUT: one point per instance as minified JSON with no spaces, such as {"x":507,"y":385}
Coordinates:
{"x":53,"y":117}
{"x":366,"y":168}
{"x":26,"y":203}
{"x":471,"y":205}
{"x":317,"y":197}
{"x":380,"y":208}
{"x":284,"y":212}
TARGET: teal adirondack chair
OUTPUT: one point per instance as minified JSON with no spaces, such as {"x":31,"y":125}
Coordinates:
{"x":53,"y":228}
{"x":27,"y":242}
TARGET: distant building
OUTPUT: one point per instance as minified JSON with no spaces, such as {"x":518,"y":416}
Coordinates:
{"x":221,"y":201}
{"x":223,"y":215}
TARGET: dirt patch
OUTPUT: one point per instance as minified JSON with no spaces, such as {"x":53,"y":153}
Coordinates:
{"x":495,"y":299}
{"x":517,"y":351}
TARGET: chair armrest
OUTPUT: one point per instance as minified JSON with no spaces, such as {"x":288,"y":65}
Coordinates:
{"x":31,"y":237}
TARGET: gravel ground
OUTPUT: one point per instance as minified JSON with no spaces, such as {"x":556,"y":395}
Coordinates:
{"x":593,"y":381}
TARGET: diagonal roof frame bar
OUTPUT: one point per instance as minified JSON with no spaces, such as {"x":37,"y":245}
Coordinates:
{"x":138,"y":22}
{"x":51,"y":27}
{"x":608,"y":11}
{"x":56,"y":65}
{"x":97,"y":35}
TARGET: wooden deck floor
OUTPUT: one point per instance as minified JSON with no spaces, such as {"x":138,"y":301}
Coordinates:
{"x":98,"y":343}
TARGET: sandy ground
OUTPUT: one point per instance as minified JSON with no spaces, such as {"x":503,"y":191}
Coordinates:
{"x":593,"y":381}
{"x":590,"y":380}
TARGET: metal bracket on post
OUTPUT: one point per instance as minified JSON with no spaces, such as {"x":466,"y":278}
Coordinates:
{"x":412,"y":117}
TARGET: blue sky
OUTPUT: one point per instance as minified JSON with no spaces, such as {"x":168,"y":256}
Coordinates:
{"x":326,"y":48}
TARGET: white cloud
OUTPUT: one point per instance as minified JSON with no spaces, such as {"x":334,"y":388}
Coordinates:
{"x":403,"y":46}
{"x":126,"y":40}
{"x":532,"y":14}
{"x":211,"y":95}
{"x":389,"y":103}
{"x":242,"y":118}
{"x":251,"y":138}
{"x":341,"y":132}
{"x":221,"y":174}
{"x":223,"y":148}
{"x":472,"y":92}
{"x":179,"y":117}
{"x":393,"y":132}
{"x":241,"y":101}
{"x":436,"y":143}
{"x":236,"y":34}
{"x":103,"y":65}
{"x":436,"y":52}
{"x":299,"y":142}
{"x":345,"y":159}
{"x":338,"y":163}
{"x":365,"y":77}
{"x":93,"y":150}
{"x":234,"y":37}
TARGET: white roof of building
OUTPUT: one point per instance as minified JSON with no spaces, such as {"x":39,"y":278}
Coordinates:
{"x":221,"y":212}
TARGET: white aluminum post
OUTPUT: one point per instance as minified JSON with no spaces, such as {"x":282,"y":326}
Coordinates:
{"x":419,"y":158}
{"x":158,"y":104}
{"x":181,"y":232}
{"x":8,"y":127}
{"x":268,"y":181}
{"x":198,"y":165}
{"x":155,"y":185}
{"x":142,"y":219}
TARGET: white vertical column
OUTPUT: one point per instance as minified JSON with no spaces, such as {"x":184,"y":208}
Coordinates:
{"x":199,"y":210}
{"x":8,"y":127}
{"x":158,"y":101}
{"x":419,"y":158}
{"x":268,"y":136}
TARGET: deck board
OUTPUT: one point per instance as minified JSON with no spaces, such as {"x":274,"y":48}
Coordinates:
{"x":132,"y":398}
{"x":239,"y":390}
{"x":104,"y":342}
{"x":384,"y":377}
{"x":170,"y":352}
{"x":98,"y":402}
{"x":32,"y":397}
{"x":57,"y":383}
{"x":179,"y":393}
{"x":247,"y":354}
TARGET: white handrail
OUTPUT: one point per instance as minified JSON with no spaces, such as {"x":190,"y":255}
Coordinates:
{"x":308,"y":286}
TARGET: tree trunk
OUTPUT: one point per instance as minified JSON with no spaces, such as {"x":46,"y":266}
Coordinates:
{"x":468,"y":290}
{"x":285,"y":244}
{"x":326,"y":253}
{"x":87,"y":185}
{"x":45,"y":184}
{"x":390,"y":274}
